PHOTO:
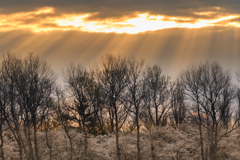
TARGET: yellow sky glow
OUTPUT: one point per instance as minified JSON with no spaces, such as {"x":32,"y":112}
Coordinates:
{"x":46,"y":19}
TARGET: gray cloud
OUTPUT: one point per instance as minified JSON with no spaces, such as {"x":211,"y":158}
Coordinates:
{"x":111,"y":8}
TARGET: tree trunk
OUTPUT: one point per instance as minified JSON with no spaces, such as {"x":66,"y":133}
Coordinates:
{"x":152,"y":147}
{"x":1,"y":144}
{"x":21,"y":145}
{"x":47,"y":141}
{"x":214,"y":144}
{"x":71,"y":147}
{"x":20,"y":150}
{"x":50,"y":154}
{"x":30,"y":143}
{"x":112,"y":122}
{"x":27,"y":132}
{"x":112,"y":126}
{"x":35,"y":141}
{"x":138,"y":137}
{"x":213,"y":152}
{"x":17,"y":137}
{"x":200,"y":133}
{"x":117,"y":143}
{"x":85,"y":142}
{"x":157,"y":120}
{"x":70,"y":141}
{"x":201,"y":141}
{"x":86,"y":145}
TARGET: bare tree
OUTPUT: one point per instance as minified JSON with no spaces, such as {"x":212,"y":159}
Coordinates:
{"x":10,"y":68}
{"x":136,"y":93}
{"x":26,"y":86}
{"x":64,"y":117}
{"x":35,"y":86}
{"x":208,"y":86}
{"x":178,"y":104}
{"x":50,"y":123}
{"x":159,"y":95}
{"x":96,"y":100}
{"x":3,"y":105}
{"x":217,"y":95}
{"x":148,"y":124}
{"x":80,"y":83}
{"x":156,"y":101}
{"x":191,"y":80}
{"x":113,"y":80}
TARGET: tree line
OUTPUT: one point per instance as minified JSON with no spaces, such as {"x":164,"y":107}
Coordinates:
{"x":118,"y":92}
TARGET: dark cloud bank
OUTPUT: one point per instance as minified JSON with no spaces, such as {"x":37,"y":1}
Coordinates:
{"x":108,"y":8}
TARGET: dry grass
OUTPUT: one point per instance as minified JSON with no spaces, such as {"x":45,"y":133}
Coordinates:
{"x":168,"y":143}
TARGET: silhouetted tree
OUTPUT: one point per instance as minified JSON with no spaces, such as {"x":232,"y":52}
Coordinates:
{"x":148,"y":124}
{"x":27,"y":86}
{"x":178,"y":105}
{"x":209,"y":87}
{"x":96,"y":100}
{"x":159,"y":95}
{"x":3,"y":105}
{"x":64,"y":117}
{"x":50,"y":124}
{"x":10,"y":69}
{"x":35,"y":86}
{"x":113,"y":80}
{"x":136,"y":93}
{"x":191,"y":79}
{"x":79,"y":83}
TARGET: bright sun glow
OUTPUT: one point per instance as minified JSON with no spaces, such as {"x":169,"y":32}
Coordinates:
{"x":142,"y":22}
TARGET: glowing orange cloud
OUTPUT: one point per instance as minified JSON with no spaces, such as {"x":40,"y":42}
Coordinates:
{"x":46,"y":19}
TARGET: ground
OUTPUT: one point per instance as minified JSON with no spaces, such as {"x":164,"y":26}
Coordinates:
{"x":169,"y":144}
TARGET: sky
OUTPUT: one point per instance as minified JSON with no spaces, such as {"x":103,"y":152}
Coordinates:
{"x":172,"y":33}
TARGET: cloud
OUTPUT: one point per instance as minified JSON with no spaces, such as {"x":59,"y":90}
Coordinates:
{"x":49,"y":19}
{"x":110,"y":8}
